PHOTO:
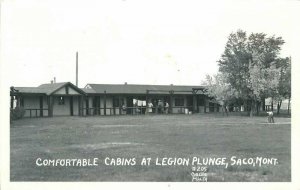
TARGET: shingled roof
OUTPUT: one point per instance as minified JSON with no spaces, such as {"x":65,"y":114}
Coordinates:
{"x":139,"y":89}
{"x":47,"y":89}
{"x":50,"y":88}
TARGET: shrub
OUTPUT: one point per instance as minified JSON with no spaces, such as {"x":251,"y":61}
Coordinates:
{"x":17,"y":113}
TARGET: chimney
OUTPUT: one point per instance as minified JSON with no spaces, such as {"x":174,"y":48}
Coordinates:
{"x":51,"y":81}
{"x":54,"y":80}
{"x":125,"y":83}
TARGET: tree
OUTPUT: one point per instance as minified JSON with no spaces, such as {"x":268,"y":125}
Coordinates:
{"x":234,"y":63}
{"x":249,"y":65}
{"x":263,"y":81}
{"x":220,"y":90}
{"x":283,"y":90}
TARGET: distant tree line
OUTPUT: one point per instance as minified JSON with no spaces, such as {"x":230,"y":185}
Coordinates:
{"x":250,"y":70}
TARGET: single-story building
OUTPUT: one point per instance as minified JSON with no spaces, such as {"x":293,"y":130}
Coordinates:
{"x":66,"y":99}
{"x":56,"y":99}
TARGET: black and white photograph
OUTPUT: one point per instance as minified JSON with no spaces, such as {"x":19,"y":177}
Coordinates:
{"x":199,"y":92}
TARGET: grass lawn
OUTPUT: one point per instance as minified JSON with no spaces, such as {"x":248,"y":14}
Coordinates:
{"x":185,"y":136}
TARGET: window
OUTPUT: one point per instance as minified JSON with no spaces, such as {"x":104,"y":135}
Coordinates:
{"x":61,"y":100}
{"x":179,"y":101}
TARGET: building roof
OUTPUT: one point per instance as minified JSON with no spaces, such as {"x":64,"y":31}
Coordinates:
{"x":47,"y":89}
{"x":51,"y":88}
{"x":88,"y":90}
{"x":139,"y":89}
{"x":29,"y":90}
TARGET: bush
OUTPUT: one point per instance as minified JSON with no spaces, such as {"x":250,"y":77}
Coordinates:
{"x":17,"y":113}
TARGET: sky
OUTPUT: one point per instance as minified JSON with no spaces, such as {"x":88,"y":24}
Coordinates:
{"x":133,"y":41}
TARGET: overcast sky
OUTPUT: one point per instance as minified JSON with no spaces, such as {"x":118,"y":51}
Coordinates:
{"x":134,"y":41}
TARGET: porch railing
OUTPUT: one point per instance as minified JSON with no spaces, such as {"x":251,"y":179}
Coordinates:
{"x":139,"y":110}
{"x":34,"y":112}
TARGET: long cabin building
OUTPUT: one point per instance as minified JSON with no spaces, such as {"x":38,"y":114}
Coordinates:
{"x":66,"y":99}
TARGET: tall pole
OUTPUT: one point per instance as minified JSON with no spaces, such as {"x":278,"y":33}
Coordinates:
{"x":77,"y":69}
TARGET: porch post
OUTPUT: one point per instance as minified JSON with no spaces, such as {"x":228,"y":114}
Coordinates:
{"x":50,"y":106}
{"x":171,"y":101}
{"x":120,"y":111}
{"x":114,"y":109}
{"x":87,"y":107}
{"x":11,"y":101}
{"x":98,"y":105}
{"x":71,"y":100}
{"x":194,"y":102}
{"x":80,"y":104}
{"x":204,"y":104}
{"x":41,"y":106}
{"x":105,"y":102}
{"x":147,"y":94}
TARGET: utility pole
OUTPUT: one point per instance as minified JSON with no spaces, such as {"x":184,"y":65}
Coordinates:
{"x":77,"y":69}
